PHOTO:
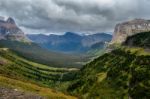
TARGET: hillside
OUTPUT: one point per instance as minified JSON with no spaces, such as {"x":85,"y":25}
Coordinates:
{"x":37,"y":54}
{"x":16,"y":89}
{"x":119,"y":74}
{"x":17,"y":73}
{"x":139,"y":40}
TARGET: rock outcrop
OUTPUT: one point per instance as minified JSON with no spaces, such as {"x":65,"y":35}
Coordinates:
{"x":10,"y":31}
{"x":126,"y":29}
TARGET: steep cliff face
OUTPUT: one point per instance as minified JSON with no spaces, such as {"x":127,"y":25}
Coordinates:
{"x":129,"y":28}
{"x":9,"y":30}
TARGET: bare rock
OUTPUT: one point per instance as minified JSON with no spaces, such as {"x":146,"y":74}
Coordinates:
{"x":129,"y":28}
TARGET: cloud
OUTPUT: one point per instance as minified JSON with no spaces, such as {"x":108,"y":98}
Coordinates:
{"x":85,"y":16}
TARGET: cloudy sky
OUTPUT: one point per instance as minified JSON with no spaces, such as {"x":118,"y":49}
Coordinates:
{"x":82,"y":16}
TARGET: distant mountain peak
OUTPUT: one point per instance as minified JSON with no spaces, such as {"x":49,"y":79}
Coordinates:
{"x":7,"y":19}
{"x":10,"y":31}
{"x":10,"y":20}
{"x":71,"y":34}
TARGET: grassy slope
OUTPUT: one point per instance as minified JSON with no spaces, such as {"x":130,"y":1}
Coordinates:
{"x":37,"y":54}
{"x":116,"y":75}
{"x":32,"y":88}
{"x":122,"y":73}
{"x":13,"y":66}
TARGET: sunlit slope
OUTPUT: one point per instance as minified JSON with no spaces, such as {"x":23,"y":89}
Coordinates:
{"x":32,"y":88}
{"x":16,"y":67}
{"x":18,"y":72}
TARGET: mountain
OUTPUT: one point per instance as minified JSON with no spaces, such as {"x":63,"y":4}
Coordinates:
{"x":122,"y":73}
{"x":70,"y":42}
{"x":90,"y":40}
{"x":129,"y":28}
{"x":10,"y":31}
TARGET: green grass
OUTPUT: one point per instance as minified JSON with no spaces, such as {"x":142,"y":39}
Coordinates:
{"x":137,"y":50}
{"x":32,"y":88}
{"x":115,"y":75}
{"x":19,"y":68}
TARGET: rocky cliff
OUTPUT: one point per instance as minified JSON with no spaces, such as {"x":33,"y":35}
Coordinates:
{"x":129,"y":28}
{"x":9,"y":30}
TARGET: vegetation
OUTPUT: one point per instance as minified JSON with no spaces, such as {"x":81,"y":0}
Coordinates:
{"x":37,"y":54}
{"x":116,"y":75}
{"x":13,"y":66}
{"x":120,"y":74}
{"x":139,"y":40}
{"x":32,"y":88}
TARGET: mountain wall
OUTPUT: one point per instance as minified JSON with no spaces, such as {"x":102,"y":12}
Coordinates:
{"x":129,"y":28}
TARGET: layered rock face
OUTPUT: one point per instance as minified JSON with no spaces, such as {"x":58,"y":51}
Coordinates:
{"x":9,"y":30}
{"x":125,"y":29}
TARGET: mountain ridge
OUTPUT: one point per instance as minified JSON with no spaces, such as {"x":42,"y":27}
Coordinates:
{"x":70,"y":42}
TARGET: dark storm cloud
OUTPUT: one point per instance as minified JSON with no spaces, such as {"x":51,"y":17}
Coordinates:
{"x":87,"y":16}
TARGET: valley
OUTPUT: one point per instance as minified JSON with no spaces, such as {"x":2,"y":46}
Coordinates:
{"x":73,"y":66}
{"x":21,"y":74}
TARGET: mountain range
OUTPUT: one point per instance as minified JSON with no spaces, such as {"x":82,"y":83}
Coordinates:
{"x":71,"y":42}
{"x":48,"y":49}
{"x":68,"y":43}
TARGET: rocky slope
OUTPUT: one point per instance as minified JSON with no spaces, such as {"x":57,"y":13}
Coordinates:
{"x":129,"y":28}
{"x":9,"y":30}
